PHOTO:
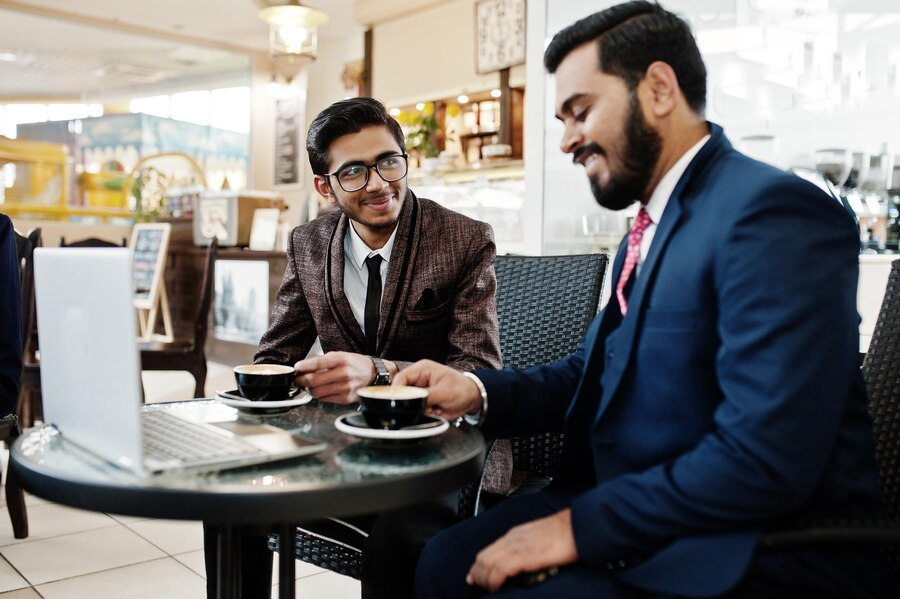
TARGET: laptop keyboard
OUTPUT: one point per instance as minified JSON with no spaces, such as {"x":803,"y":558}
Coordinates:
{"x":168,"y":437}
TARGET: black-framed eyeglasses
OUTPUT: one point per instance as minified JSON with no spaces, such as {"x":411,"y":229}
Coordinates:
{"x":356,"y":176}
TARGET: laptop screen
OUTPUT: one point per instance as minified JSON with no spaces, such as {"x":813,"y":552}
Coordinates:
{"x":90,"y":366}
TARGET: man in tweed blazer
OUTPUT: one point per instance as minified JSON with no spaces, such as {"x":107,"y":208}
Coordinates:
{"x":437,"y":302}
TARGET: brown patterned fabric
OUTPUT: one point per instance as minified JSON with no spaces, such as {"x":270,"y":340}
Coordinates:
{"x":438,"y":300}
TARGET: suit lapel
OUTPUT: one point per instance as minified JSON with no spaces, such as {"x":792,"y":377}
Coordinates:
{"x":643,"y":285}
{"x":334,"y":281}
{"x":400,"y":270}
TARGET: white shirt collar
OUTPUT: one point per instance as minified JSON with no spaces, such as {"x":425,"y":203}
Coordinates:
{"x":359,"y":251}
{"x":656,"y":205}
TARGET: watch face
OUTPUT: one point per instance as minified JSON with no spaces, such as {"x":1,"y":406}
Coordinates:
{"x":499,"y":34}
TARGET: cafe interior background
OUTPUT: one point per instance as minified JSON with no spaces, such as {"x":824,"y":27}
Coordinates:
{"x":115,"y":112}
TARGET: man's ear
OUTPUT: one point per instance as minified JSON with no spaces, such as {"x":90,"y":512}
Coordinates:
{"x":324,"y":188}
{"x":661,"y":89}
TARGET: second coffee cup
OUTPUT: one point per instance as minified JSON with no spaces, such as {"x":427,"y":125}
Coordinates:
{"x":264,"y":382}
{"x":392,"y":407}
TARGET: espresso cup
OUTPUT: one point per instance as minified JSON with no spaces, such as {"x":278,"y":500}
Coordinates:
{"x":392,"y":407}
{"x":264,"y":382}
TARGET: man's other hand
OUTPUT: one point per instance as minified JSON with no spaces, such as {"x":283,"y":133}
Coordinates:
{"x":336,"y":376}
{"x":450,"y":394}
{"x":532,"y":546}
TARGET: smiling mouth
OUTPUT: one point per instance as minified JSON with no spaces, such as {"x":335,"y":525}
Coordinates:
{"x":586,"y":155}
{"x":378,"y":202}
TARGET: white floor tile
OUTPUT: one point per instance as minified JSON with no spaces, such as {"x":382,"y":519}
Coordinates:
{"x":327,"y":585}
{"x":172,"y":536}
{"x":47,"y":520}
{"x":194,"y":561}
{"x":80,"y":553}
{"x":26,"y":593}
{"x":9,"y":578}
{"x":159,"y":579}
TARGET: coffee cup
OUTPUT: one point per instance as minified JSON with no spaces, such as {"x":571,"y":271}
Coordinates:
{"x":265,"y":382}
{"x":392,"y":407}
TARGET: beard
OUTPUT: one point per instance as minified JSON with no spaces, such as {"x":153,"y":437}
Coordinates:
{"x":641,"y":153}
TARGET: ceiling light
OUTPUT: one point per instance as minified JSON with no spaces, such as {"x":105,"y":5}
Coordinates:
{"x":420,"y":106}
{"x":395,"y":112}
{"x":496,"y":93}
{"x":293,"y":30}
{"x":462,"y":99}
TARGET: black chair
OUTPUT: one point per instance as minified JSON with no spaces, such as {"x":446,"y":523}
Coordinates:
{"x":544,"y":304}
{"x":29,"y":408}
{"x":881,"y":370}
{"x":187,"y":353}
{"x":9,"y":424}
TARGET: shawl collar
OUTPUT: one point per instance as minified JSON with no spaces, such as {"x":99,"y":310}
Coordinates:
{"x":394,"y":295}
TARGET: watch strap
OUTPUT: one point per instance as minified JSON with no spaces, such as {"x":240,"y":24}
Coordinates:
{"x":382,"y":374}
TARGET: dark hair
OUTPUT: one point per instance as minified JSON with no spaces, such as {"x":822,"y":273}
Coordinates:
{"x":343,"y":117}
{"x":629,"y":38}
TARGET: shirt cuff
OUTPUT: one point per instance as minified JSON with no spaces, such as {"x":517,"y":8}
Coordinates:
{"x":479,"y":417}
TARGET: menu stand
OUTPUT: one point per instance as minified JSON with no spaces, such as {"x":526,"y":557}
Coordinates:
{"x":149,"y":246}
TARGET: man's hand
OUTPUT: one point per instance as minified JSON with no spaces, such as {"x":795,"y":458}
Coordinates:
{"x":450,"y":394}
{"x":529,"y":547}
{"x":336,"y":376}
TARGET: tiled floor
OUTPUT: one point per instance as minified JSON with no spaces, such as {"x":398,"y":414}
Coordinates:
{"x":73,"y":554}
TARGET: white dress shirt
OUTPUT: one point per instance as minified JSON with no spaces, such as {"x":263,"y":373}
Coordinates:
{"x":656,"y":205}
{"x":356,"y":274}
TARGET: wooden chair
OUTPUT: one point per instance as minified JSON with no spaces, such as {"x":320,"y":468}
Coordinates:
{"x":9,"y":424}
{"x":91,"y":242}
{"x":29,"y":408}
{"x":544,"y":304}
{"x":188,"y":353}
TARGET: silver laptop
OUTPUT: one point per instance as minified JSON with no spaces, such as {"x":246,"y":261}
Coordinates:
{"x":90,"y":377}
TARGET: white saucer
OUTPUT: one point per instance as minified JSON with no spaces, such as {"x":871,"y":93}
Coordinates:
{"x":230,"y":398}
{"x":340,"y":423}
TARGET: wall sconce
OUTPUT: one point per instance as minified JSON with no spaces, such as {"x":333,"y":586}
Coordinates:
{"x":293,"y":31}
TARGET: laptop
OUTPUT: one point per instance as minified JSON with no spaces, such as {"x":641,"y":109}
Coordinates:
{"x":91,"y":386}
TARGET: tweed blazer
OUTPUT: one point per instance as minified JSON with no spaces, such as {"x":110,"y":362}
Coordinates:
{"x":438,"y":300}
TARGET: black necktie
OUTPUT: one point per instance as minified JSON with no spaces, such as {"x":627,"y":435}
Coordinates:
{"x":373,"y":303}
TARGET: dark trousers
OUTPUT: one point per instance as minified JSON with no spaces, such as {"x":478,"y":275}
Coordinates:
{"x":256,"y":561}
{"x":390,"y":547}
{"x":798,"y":574}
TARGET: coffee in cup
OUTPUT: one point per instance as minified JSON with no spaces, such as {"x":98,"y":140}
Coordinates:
{"x":392,"y":407}
{"x":264,"y":382}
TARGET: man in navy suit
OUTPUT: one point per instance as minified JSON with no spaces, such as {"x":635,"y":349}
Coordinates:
{"x":716,"y":394}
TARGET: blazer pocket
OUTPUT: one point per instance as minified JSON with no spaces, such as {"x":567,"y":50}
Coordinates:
{"x":671,"y":320}
{"x":429,"y":313}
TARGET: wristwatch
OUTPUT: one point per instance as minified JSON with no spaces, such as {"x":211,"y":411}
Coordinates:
{"x":382,"y":374}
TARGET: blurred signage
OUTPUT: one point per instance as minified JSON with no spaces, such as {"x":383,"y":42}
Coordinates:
{"x":288,"y":115}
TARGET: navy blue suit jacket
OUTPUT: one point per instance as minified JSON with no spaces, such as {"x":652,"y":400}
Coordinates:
{"x":10,"y":319}
{"x":728,"y":397}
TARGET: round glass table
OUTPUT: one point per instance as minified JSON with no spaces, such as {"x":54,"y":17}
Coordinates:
{"x":351,"y":476}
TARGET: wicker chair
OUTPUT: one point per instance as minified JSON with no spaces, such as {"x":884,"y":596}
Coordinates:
{"x":881,"y":370}
{"x":544,"y":304}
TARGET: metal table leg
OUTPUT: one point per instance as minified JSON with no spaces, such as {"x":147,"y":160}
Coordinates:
{"x":287,"y":535}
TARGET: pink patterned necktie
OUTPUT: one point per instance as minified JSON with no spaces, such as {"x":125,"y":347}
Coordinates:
{"x":641,"y":222}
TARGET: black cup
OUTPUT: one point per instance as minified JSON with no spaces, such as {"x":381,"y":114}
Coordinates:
{"x":392,"y":407}
{"x":264,"y":382}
